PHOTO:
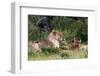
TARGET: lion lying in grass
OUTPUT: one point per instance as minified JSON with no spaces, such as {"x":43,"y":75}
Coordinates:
{"x":74,"y":44}
{"x":52,"y":41}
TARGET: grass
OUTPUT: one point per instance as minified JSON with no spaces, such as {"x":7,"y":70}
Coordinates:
{"x":57,"y":53}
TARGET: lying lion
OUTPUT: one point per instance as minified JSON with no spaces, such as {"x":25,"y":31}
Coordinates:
{"x":52,"y":41}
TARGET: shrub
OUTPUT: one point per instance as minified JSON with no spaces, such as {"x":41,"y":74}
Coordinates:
{"x":50,"y":50}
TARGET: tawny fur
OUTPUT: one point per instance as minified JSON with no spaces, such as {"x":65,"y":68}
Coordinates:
{"x":52,"y":41}
{"x":75,"y":44}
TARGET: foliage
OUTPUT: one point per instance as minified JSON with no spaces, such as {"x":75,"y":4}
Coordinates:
{"x":70,"y":26}
{"x":51,"y":50}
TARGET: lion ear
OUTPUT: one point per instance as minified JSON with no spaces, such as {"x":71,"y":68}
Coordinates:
{"x":54,"y":33}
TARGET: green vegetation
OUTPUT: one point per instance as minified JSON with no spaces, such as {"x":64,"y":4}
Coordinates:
{"x":70,"y":27}
{"x":54,"y":54}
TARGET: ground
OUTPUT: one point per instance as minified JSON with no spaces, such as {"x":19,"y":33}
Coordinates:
{"x":61,"y":53}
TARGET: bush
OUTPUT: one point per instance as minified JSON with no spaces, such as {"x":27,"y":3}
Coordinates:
{"x":50,"y":50}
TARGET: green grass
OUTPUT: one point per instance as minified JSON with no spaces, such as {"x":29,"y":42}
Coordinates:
{"x":55,"y":54}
